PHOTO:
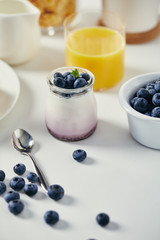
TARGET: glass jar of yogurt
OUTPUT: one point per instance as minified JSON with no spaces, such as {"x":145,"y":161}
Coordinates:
{"x":71,"y":114}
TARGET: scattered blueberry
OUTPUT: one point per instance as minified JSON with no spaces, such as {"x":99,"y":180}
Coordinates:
{"x":80,"y":82}
{"x":11,"y":195}
{"x":2,"y":175}
{"x":156,"y":99}
{"x":32,"y":177}
{"x":19,"y":168}
{"x":79,"y":155}
{"x":85,"y":76}
{"x":157,"y":86}
{"x":102,"y":219}
{"x":143,"y":93}
{"x":17,"y":183}
{"x":156,"y":112}
{"x":15,"y":206}
{"x":51,"y":217}
{"x":60,"y":82}
{"x":141,"y":105}
{"x":2,"y":187}
{"x":30,"y":189}
{"x":58,"y":74}
{"x":55,"y":192}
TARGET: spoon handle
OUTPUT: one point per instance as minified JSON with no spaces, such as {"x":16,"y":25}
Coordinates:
{"x":42,"y":179}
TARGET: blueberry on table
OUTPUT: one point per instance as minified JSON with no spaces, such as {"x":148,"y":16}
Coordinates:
{"x":32,"y":177}
{"x":51,"y":217}
{"x":85,"y":76}
{"x":58,"y":74}
{"x":60,"y":82}
{"x":156,"y":99}
{"x":2,"y":187}
{"x":17,"y":183}
{"x":141,"y":105}
{"x":11,"y":195}
{"x":2,"y":175}
{"x":19,"y":168}
{"x":156,"y":112}
{"x":79,"y":155}
{"x":55,"y":192}
{"x":80,"y":82}
{"x":15,"y":206}
{"x":30,"y":189}
{"x":102,"y":219}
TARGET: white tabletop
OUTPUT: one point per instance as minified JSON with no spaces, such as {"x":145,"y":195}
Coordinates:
{"x":119,"y":177}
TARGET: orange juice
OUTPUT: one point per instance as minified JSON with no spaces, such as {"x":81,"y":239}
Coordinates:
{"x":100,"y":50}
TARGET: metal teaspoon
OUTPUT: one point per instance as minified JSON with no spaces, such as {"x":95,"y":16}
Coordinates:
{"x":23,"y":142}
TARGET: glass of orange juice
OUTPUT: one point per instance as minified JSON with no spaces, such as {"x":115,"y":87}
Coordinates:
{"x":95,"y":40}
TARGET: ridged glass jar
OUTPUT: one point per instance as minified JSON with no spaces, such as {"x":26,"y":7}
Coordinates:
{"x":71,"y":114}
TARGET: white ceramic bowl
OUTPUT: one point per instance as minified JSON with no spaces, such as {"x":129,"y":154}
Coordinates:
{"x":144,"y":129}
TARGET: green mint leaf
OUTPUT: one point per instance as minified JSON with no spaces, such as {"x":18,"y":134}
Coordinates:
{"x":75,"y":73}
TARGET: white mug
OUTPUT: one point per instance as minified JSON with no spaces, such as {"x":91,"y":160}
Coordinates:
{"x":19,"y":31}
{"x":140,"y":15}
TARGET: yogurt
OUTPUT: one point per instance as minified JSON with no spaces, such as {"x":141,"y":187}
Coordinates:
{"x":71,"y":114}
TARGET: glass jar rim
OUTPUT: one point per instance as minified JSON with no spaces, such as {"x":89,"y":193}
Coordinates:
{"x":103,"y":11}
{"x":55,"y":88}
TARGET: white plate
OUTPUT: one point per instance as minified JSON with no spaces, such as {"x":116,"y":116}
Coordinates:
{"x":9,"y":89}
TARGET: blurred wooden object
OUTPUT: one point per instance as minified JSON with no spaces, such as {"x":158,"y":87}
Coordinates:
{"x":135,"y":38}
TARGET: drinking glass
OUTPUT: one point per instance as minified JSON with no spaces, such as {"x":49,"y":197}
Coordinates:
{"x":95,"y":40}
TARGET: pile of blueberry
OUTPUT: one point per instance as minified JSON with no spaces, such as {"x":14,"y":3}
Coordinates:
{"x":56,"y":192}
{"x":147,"y":99}
{"x":17,"y":183}
{"x":71,"y":80}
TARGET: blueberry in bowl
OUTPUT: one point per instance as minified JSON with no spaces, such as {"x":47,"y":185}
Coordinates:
{"x":140,"y":98}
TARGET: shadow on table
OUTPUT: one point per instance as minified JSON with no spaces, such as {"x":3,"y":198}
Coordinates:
{"x":47,"y":59}
{"x":110,"y":135}
{"x":18,"y":115}
{"x":129,"y":73}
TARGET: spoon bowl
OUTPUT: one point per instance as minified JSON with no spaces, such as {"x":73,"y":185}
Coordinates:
{"x":22,"y":140}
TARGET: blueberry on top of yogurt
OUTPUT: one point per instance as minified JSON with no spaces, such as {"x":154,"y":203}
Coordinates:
{"x":147,"y":99}
{"x":71,"y":80}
